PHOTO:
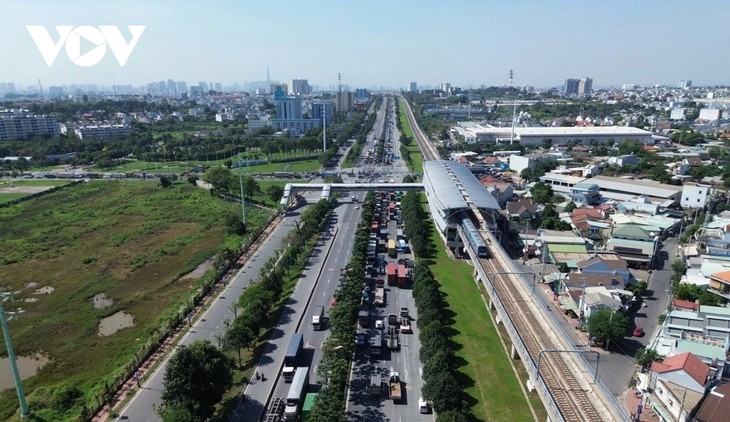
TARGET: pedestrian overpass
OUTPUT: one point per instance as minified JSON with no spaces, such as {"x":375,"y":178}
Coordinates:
{"x":291,"y":189}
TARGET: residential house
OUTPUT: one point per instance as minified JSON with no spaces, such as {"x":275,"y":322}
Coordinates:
{"x":716,"y":405}
{"x":695,"y":195}
{"x":590,"y":299}
{"x":624,"y":160}
{"x":606,"y":264}
{"x":501,"y":191}
{"x":521,"y":210}
{"x":634,"y":243}
{"x":693,"y":162}
{"x":678,"y":385}
{"x":492,"y":161}
{"x":720,"y":284}
{"x":585,"y":193}
{"x":590,"y":222}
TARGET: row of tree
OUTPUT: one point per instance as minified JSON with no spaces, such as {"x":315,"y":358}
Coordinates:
{"x":338,"y":348}
{"x":198,"y":375}
{"x":437,"y":351}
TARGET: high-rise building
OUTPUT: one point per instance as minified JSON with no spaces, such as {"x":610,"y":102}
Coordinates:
{"x":203,"y":87}
{"x":445,"y":87}
{"x":361,"y":94}
{"x":585,"y":86}
{"x":413,"y":87}
{"x":570,"y":86}
{"x":300,"y":87}
{"x":279,"y":89}
{"x":684,"y":84}
{"x":288,"y":107}
{"x":344,"y":101}
{"x":20,"y":125}
{"x":320,"y":109}
{"x":182,"y":87}
{"x":171,"y":88}
{"x":218,"y":87}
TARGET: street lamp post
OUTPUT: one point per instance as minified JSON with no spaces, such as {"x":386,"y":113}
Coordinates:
{"x":240,"y":181}
{"x":24,"y":411}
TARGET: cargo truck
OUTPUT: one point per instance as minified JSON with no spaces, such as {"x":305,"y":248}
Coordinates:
{"x":308,"y":405}
{"x":394,"y":386}
{"x":291,"y":359}
{"x":318,"y":318}
{"x":405,"y":325}
{"x":391,"y":338}
{"x":364,"y":319}
{"x":297,"y":391}
{"x":379,"y":297}
{"x":376,"y":342}
{"x":392,"y":274}
{"x":376,"y":385}
{"x":392,"y":252}
{"x":402,"y":276}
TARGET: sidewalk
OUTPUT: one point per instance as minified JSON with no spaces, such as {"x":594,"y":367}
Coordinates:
{"x":632,"y":398}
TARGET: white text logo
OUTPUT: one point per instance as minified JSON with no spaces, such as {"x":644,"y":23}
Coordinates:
{"x":71,"y":37}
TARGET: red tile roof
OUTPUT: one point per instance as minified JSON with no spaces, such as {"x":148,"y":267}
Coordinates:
{"x":723,"y":276}
{"x":685,"y":304}
{"x":491,"y":160}
{"x":687,"y":362}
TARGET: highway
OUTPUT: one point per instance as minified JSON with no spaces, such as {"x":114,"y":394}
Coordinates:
{"x":361,"y":405}
{"x":210,"y":323}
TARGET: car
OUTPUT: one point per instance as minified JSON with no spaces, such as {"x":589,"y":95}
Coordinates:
{"x":361,"y":339}
{"x":638,"y":331}
{"x":423,"y":406}
{"x":379,"y":324}
{"x":357,"y":207}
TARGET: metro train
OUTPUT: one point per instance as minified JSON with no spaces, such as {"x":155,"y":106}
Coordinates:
{"x":475,"y":239}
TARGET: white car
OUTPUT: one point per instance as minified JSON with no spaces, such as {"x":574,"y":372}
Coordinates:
{"x":379,"y":324}
{"x":423,"y":406}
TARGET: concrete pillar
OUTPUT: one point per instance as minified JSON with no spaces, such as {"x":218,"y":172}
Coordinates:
{"x":513,"y":352}
{"x":491,"y":305}
{"x":530,"y":386}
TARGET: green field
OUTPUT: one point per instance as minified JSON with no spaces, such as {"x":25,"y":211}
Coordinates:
{"x":7,"y":197}
{"x":19,"y":183}
{"x":493,"y":391}
{"x":416,"y":162}
{"x":177,"y":167}
{"x":129,"y":240}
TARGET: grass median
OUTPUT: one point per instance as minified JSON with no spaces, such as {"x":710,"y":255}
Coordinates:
{"x":415,"y":162}
{"x":485,"y":370}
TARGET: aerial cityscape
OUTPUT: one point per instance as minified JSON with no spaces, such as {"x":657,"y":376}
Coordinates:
{"x":382,"y":211}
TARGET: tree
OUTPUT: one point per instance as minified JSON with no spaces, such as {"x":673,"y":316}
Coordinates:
{"x":275,"y":192}
{"x":547,"y":143}
{"x":165,"y":181}
{"x":250,"y":186}
{"x":444,"y":392}
{"x":645,"y":357}
{"x":606,"y":325}
{"x":239,"y":335}
{"x":193,"y":180}
{"x":570,"y":207}
{"x":195,"y":379}
{"x":234,"y":224}
{"x":219,"y":177}
{"x":541,"y":193}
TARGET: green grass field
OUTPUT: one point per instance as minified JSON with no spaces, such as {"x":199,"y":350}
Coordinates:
{"x":305,"y":164}
{"x":129,"y":240}
{"x":416,"y":162}
{"x":7,"y":197}
{"x":493,"y":391}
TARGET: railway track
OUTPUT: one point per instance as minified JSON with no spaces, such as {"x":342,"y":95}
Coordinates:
{"x":573,"y":401}
{"x":428,"y":151}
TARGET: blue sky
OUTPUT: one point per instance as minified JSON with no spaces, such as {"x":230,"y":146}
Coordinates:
{"x":383,"y":42}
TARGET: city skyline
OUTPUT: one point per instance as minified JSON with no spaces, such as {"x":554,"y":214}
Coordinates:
{"x":380,"y":43}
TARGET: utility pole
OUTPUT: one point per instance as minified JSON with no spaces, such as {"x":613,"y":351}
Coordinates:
{"x":324,"y":127}
{"x":240,"y":182}
{"x":24,"y":411}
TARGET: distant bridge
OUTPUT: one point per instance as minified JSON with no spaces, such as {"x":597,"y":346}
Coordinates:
{"x":291,"y":189}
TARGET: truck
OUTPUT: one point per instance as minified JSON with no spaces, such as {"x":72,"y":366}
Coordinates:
{"x":392,"y":274}
{"x":394,"y":386}
{"x":318,"y":318}
{"x":291,"y":359}
{"x":392,"y":319}
{"x":402,"y":276}
{"x":405,"y":325}
{"x":392,"y":252}
{"x":297,"y":391}
{"x":379,"y":297}
{"x":376,"y":385}
{"x":376,"y":342}
{"x":391,"y":338}
{"x":403,"y":246}
{"x":364,"y":319}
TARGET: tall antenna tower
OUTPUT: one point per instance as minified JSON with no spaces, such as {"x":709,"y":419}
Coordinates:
{"x":268,"y":76}
{"x":339,"y":82}
{"x":41,"y":87}
{"x":511,"y":77}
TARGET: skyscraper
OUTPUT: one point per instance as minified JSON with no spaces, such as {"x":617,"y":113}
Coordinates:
{"x":585,"y":86}
{"x":300,"y":87}
{"x":413,"y":87}
{"x":344,"y":101}
{"x":684,"y":84}
{"x":571,"y":86}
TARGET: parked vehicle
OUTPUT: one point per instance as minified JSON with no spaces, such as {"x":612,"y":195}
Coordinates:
{"x":423,"y":406}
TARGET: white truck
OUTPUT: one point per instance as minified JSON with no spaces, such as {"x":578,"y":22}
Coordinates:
{"x":318,"y":318}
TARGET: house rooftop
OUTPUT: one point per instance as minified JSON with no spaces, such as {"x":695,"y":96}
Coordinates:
{"x":691,"y":364}
{"x":716,"y":406}
{"x":612,"y":261}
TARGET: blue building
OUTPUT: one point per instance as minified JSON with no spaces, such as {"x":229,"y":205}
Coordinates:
{"x":585,"y":192}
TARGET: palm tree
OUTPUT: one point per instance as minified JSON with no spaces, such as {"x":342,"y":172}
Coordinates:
{"x":645,"y":357}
